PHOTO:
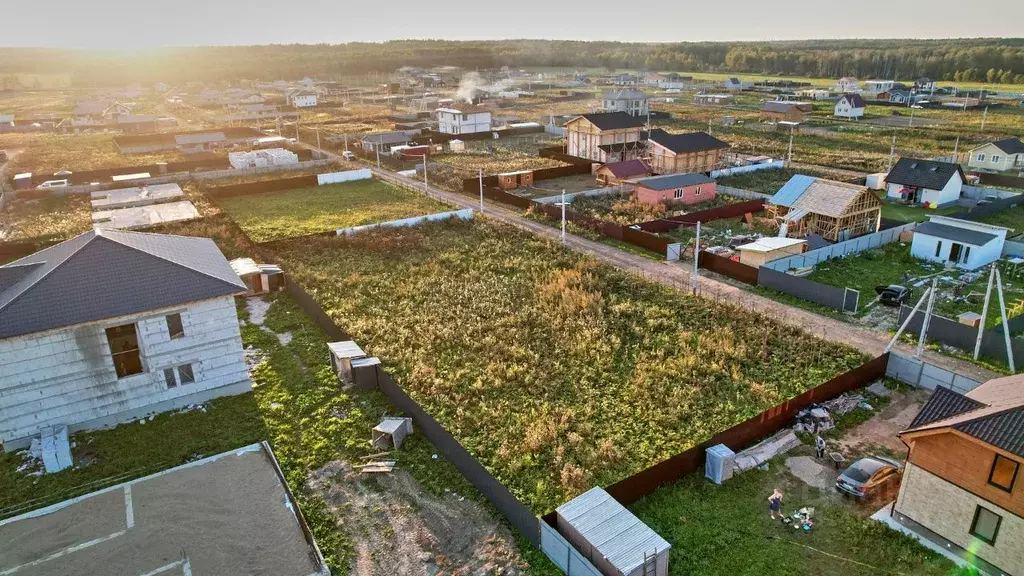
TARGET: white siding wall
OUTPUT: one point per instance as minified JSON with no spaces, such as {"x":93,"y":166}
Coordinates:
{"x":992,"y":158}
{"x":67,"y":377}
{"x":843,"y":109}
{"x":305,"y":101}
{"x":923,"y":247}
{"x":451,"y":123}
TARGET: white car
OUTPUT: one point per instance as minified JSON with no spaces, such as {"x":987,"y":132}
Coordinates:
{"x":54,"y":184}
{"x":348,"y":155}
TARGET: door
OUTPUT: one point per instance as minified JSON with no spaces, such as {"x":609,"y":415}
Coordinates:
{"x":954,"y":252}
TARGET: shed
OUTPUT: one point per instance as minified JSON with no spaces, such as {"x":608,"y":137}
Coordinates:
{"x":611,"y":537}
{"x":764,"y":250}
{"x":510,"y":180}
{"x":259,"y":278}
{"x":23,"y":181}
{"x":961,"y":243}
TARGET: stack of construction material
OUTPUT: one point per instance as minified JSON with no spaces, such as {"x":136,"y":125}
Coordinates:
{"x":262,"y":158}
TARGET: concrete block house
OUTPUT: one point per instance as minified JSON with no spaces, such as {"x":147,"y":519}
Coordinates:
{"x":110,"y":326}
{"x":927,"y":182}
{"x":463,"y":119}
{"x":632,"y":102}
{"x":675,"y":189}
{"x":962,"y":485}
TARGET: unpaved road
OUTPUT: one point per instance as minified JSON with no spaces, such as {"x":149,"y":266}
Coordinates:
{"x":677,"y":275}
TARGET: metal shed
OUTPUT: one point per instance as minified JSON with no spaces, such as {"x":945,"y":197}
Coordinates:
{"x":611,"y":537}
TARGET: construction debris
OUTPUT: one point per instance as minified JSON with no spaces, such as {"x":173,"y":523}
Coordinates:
{"x":391,"y":431}
{"x":764,"y":451}
{"x":378,"y":466}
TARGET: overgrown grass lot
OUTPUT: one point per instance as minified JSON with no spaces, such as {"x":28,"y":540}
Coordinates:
{"x":725,"y":530}
{"x":558,"y":373}
{"x":47,"y":220}
{"x":305,"y":211}
{"x":905,"y":213}
{"x":1012,"y":217}
{"x":769,"y":181}
{"x":45,"y":153}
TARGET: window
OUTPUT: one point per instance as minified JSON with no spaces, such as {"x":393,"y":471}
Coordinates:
{"x":124,"y":350}
{"x":1004,"y":473}
{"x":966,"y":255}
{"x":986,"y":525}
{"x":697,"y":191}
{"x":981,"y":157}
{"x":169,"y":377}
{"x":678,"y":193}
{"x":185,"y":374}
{"x":938,"y":248}
{"x":995,"y":159}
{"x":174,"y":327}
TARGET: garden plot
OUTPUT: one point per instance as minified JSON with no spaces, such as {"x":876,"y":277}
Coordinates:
{"x":556,"y":372}
{"x":769,"y":181}
{"x":47,"y":220}
{"x":301,"y":212}
{"x":554,"y":186}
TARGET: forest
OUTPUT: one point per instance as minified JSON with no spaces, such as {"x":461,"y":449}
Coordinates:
{"x":989,"y":60}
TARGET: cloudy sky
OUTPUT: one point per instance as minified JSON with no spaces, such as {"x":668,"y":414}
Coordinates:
{"x":133,"y":24}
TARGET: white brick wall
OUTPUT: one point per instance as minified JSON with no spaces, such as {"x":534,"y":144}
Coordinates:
{"x":67,"y":376}
{"x":948,"y":511}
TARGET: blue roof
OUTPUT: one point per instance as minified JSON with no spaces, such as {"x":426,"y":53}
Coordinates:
{"x":792,"y":191}
{"x":670,"y":181}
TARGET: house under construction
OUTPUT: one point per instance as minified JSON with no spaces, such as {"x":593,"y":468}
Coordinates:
{"x":836,"y":211}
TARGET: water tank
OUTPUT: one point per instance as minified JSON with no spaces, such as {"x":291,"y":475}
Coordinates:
{"x":719,"y":464}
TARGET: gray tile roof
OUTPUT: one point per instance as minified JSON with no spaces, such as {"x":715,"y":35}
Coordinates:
{"x":955,"y":234}
{"x":992,"y":413}
{"x":1003,"y":430}
{"x":670,"y":181}
{"x":1010,"y":145}
{"x":688,"y":142}
{"x":108,"y":273}
{"x":943,"y":404}
{"x":614,"y":120}
{"x":923,"y":173}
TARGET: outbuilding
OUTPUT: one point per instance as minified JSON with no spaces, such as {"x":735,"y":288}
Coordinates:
{"x":764,"y":250}
{"x":675,"y":189}
{"x":960,"y":243}
{"x":615,"y":173}
{"x":608,"y":535}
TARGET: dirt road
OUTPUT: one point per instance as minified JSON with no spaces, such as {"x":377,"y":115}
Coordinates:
{"x":677,"y":275}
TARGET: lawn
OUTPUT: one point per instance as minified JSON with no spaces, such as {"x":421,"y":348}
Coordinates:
{"x":904,"y":213}
{"x":1012,"y":217}
{"x":769,"y":181}
{"x":624,"y":208}
{"x":305,"y":211}
{"x":725,"y":530}
{"x":558,"y":373}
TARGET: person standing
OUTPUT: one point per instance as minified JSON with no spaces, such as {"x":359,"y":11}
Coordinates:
{"x":819,"y":445}
{"x":775,"y":504}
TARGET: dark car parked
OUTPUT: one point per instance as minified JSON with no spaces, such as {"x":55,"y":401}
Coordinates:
{"x":893,"y":294}
{"x":870,"y":478}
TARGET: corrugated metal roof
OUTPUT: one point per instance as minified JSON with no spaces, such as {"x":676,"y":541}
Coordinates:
{"x":954,"y":233}
{"x":611,"y":529}
{"x":943,"y":404}
{"x":792,"y":190}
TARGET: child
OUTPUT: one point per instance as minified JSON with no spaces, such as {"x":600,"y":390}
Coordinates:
{"x":775,"y":504}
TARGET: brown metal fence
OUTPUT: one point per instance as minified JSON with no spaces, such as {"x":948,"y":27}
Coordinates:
{"x":744,"y":434}
{"x":726,"y":267}
{"x":1001,"y":180}
{"x":728,"y":211}
{"x":15,"y":250}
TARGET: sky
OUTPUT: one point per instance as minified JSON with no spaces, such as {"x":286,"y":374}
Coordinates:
{"x":135,"y":24}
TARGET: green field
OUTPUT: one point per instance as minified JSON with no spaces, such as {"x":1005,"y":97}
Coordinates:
{"x":275,"y":215}
{"x":769,"y":181}
{"x":1012,"y":217}
{"x":906,"y":213}
{"x":556,"y":372}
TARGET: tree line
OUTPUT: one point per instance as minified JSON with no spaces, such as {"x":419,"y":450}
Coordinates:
{"x":996,"y":61}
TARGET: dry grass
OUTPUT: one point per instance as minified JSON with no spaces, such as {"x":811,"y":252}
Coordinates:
{"x":44,"y":221}
{"x":45,"y":153}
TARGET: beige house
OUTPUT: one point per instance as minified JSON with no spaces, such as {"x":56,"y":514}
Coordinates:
{"x":764,"y":250}
{"x":962,"y":485}
{"x":691,"y":152}
{"x":605,"y":137}
{"x":999,"y":156}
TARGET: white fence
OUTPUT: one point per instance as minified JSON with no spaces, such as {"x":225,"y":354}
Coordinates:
{"x":595,"y":192}
{"x":464,"y":214}
{"x":740,"y":192}
{"x":773,"y":165}
{"x":346,"y":176}
{"x":983,"y":192}
{"x":840,"y":249}
{"x":924,"y":375}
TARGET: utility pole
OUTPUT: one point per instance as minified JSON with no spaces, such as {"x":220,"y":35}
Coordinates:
{"x":481,"y":190}
{"x":695,"y":277}
{"x":956,"y":150}
{"x":892,"y":152}
{"x":346,"y":142}
{"x":563,"y":219}
{"x":377,"y":148}
{"x":789,"y":155}
{"x":927,"y":319}
{"x":425,"y":186}
{"x":317,"y":137}
{"x":983,"y":116}
{"x":1006,"y":326}
{"x":984,"y":311}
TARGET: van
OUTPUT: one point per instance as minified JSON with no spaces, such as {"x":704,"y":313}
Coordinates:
{"x":348,"y":155}
{"x":54,"y":184}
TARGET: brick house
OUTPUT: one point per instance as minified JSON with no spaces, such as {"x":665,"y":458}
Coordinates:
{"x":962,"y":487}
{"x":605,"y":137}
{"x":690,"y":152}
{"x":675,"y":189}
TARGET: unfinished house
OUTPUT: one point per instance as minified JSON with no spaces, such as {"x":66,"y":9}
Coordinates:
{"x":836,"y":211}
{"x":605,"y":137}
{"x":689,"y":152}
{"x":111,"y":326}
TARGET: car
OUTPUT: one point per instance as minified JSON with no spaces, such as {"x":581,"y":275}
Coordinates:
{"x":348,"y":155}
{"x":871,"y":478}
{"x":54,"y":184}
{"x":893,"y":294}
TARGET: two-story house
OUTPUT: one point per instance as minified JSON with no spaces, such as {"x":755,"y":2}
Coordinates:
{"x":850,"y":106}
{"x":962,"y":485}
{"x":847,"y":84}
{"x":632,"y":102}
{"x":110,"y":326}
{"x":690,"y":152}
{"x":463,"y":119}
{"x":605,"y":137}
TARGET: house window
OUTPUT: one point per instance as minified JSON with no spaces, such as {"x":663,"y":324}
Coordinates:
{"x":185,"y":374}
{"x":696,"y":192}
{"x":124,"y":350}
{"x":995,"y":159}
{"x":981,"y":157}
{"x":169,"y":377}
{"x":938,"y":248}
{"x":174,"y":327}
{"x":985,"y":526}
{"x":1004,"y":473}
{"x":678,"y":193}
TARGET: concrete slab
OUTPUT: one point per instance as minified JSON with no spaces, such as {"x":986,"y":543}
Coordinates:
{"x":812,"y":472}
{"x":227,"y":514}
{"x":143,"y":216}
{"x":136,"y":196}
